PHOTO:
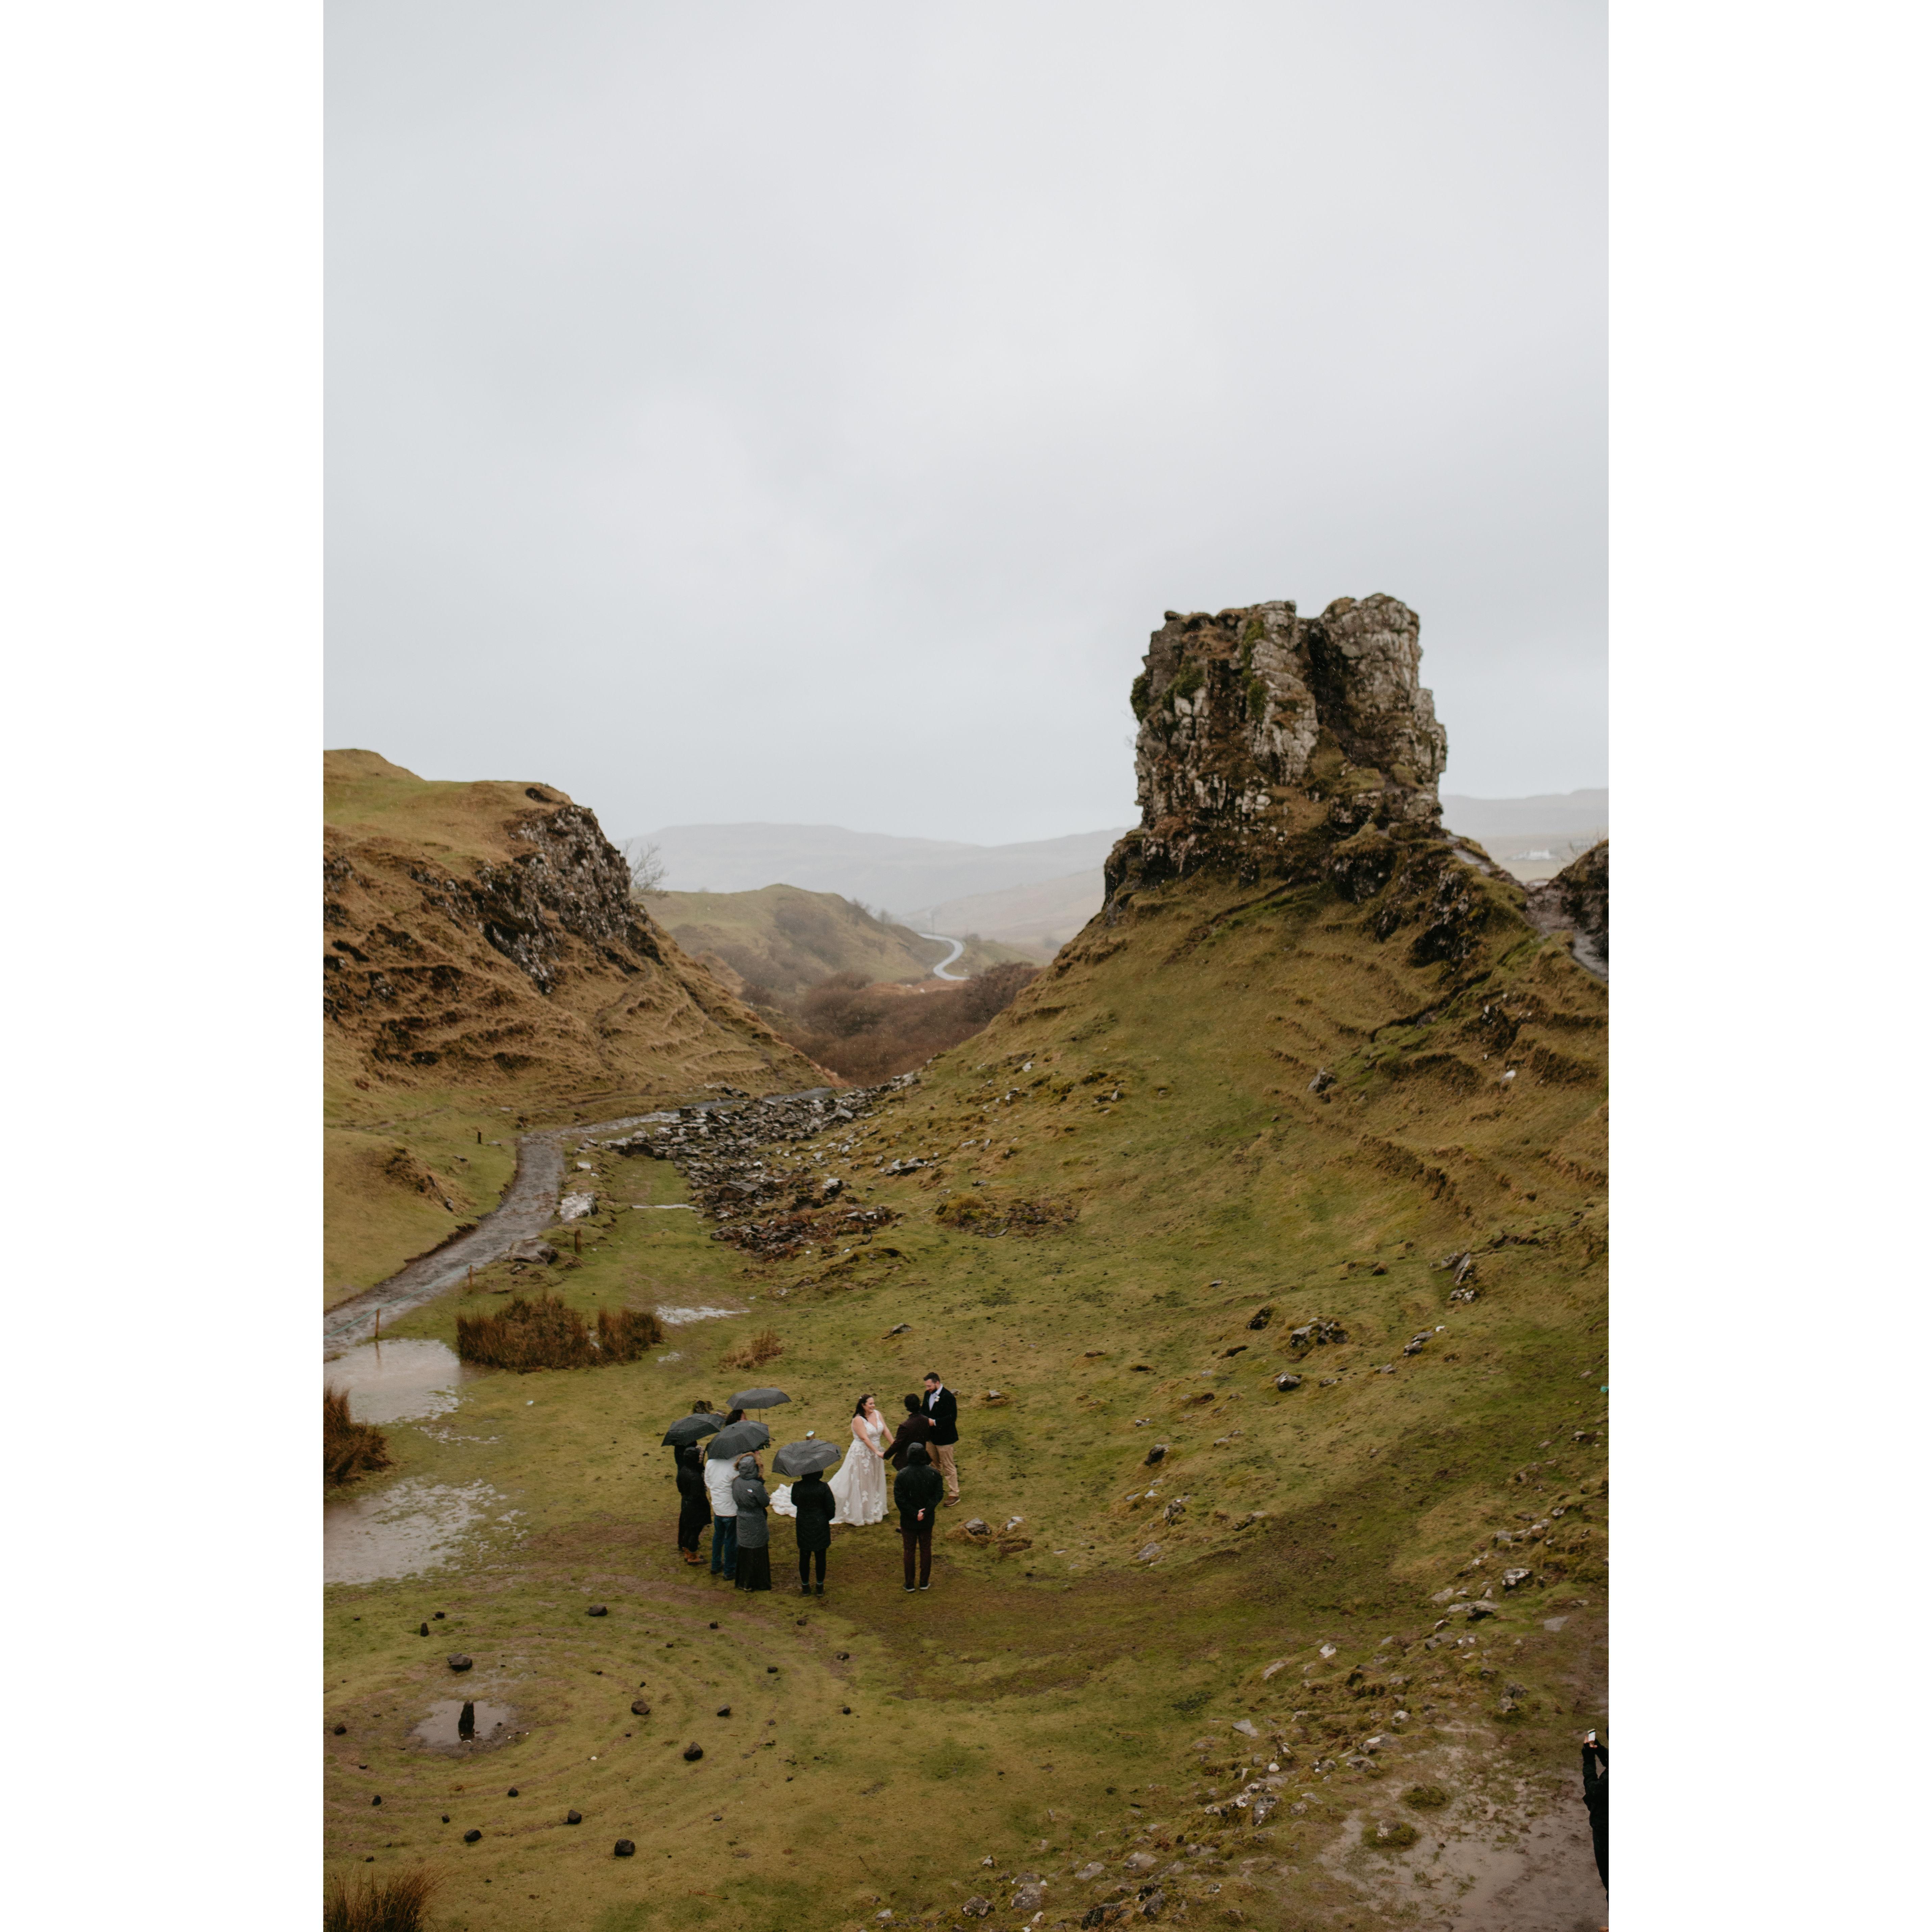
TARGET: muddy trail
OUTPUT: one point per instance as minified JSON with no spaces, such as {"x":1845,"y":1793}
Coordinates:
{"x":710,"y":1141}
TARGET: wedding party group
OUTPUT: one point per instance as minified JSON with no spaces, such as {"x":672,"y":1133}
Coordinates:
{"x":721,"y":1485}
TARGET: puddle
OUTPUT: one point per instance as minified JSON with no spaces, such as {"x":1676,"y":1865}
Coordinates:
{"x":398,"y":1381}
{"x":677,"y":1318}
{"x":453,"y":1724}
{"x":412,"y":1527}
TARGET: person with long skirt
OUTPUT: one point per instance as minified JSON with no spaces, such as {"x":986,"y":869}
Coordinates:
{"x":694,"y":1513}
{"x":755,"y":1555}
{"x":813,"y":1503}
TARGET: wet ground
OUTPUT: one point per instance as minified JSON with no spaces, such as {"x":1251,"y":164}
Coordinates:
{"x":398,"y":1381}
{"x":408,"y":1528}
{"x":457,"y":1723}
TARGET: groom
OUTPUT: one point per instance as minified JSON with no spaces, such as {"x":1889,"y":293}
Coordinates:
{"x":942,"y":1410}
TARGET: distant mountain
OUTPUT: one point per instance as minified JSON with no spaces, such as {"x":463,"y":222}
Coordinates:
{"x":1571,"y":815}
{"x":906,"y":876}
{"x":1535,"y":838}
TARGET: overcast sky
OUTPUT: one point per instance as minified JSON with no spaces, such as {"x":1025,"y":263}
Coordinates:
{"x":803,"y":412}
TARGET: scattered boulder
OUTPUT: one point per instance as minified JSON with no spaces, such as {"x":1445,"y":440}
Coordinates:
{"x":1029,"y":1898}
{"x":693,"y":1752}
{"x":978,"y":1526}
{"x":1322,"y":1081}
{"x":1139,"y":1862}
{"x":1153,"y":1903}
{"x":1245,"y":1727}
{"x":573,"y":1817}
{"x":1261,"y":1317}
{"x":597,"y":1610}
{"x":1513,"y":1578}
{"x":375,"y":1801}
{"x":1316,"y":1334}
{"x":1287,"y":1383}
{"x":423,"y":1630}
{"x":1088,"y":1873}
{"x":639,"y":1709}
{"x":1157,"y":1454}
{"x":976,"y":1907}
{"x":623,"y":1849}
{"x":1417,"y":1343}
{"x":459,"y":1661}
{"x":724,"y":1710}
{"x":341,"y":1730}
{"x":1148,"y":1553}
{"x":470,"y":1837}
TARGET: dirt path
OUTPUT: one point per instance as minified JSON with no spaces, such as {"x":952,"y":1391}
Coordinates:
{"x":529,"y":1206}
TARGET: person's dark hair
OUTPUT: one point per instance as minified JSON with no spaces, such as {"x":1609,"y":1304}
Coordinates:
{"x":737,"y":1415}
{"x":934,"y":1375}
{"x":912,"y":1405}
{"x":860,"y":1408}
{"x":916,"y":1454}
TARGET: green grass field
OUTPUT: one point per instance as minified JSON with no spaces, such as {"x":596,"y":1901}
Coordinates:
{"x":1069,"y":1702}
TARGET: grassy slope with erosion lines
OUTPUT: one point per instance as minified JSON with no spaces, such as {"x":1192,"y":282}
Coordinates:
{"x":484,"y":967}
{"x":1071,"y":1702}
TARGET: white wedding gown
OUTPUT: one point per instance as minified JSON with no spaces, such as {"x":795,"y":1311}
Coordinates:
{"x":858,"y":1485}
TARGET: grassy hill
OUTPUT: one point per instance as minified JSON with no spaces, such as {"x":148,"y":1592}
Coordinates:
{"x":782,"y":940}
{"x":481,"y":958}
{"x":1352,"y":1091}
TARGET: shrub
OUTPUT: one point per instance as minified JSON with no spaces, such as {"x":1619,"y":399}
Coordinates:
{"x":755,"y":1351}
{"x":1390,"y":1835}
{"x":869,"y":1034}
{"x":348,"y":1449}
{"x":398,"y":1903}
{"x":623,"y":1335}
{"x":1425,"y":1797}
{"x":546,"y":1334}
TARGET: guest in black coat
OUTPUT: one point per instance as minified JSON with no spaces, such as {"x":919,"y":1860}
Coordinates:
{"x":1596,"y":1802}
{"x":755,"y":1555}
{"x":917,"y":1489}
{"x":917,"y":1427}
{"x":694,"y":1513}
{"x":813,"y":1499}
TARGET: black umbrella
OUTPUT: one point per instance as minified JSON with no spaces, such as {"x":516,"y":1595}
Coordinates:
{"x":688,"y":1429}
{"x":759,"y":1399}
{"x":800,"y":1459}
{"x":739,"y":1439}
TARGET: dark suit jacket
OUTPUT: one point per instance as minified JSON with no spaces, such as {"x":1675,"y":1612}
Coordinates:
{"x":914,"y":1428}
{"x":944,"y":1417}
{"x":919,"y":1487}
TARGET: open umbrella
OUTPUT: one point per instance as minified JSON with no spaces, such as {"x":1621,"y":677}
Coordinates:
{"x":800,"y":1459}
{"x":759,"y":1398}
{"x":736,"y":1441}
{"x":688,"y":1429}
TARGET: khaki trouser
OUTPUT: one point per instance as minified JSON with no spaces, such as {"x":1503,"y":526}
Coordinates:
{"x":942,"y":1453}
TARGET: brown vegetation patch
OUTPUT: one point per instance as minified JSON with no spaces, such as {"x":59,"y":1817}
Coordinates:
{"x":546,"y":1334}
{"x":869,"y":1033}
{"x":755,"y":1351}
{"x":348,"y":1449}
{"x":398,"y":1903}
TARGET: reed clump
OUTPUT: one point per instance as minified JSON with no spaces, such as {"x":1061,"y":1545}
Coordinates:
{"x":397,"y":1903}
{"x":544,"y":1333}
{"x":755,"y":1351}
{"x":348,"y":1449}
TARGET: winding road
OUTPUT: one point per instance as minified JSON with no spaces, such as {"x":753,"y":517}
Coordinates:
{"x":958,"y":946}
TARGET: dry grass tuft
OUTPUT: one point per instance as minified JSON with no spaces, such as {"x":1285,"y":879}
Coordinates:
{"x":400,"y":1904}
{"x":348,"y":1449}
{"x":623,"y":1335}
{"x":545,"y":1334}
{"x":755,"y":1351}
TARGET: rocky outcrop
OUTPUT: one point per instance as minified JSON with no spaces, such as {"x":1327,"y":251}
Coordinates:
{"x":1268,"y":740}
{"x":1577,"y":900}
{"x":485,"y":933}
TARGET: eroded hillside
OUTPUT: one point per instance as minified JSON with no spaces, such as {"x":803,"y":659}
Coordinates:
{"x":483,"y":960}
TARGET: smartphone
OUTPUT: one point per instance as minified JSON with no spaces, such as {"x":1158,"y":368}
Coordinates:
{"x":1589,"y":1737}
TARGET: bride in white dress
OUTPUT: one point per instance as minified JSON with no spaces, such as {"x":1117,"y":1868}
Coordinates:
{"x":859,"y":1486}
